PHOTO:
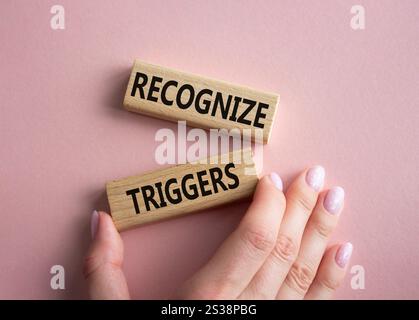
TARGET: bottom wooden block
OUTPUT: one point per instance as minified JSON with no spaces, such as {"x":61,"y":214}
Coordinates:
{"x":181,"y":189}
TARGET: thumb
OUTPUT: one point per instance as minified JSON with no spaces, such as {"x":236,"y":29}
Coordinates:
{"x":103,"y":263}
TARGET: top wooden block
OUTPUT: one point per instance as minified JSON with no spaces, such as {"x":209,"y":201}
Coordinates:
{"x":202,"y":102}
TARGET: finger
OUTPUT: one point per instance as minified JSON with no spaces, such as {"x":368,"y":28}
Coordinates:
{"x":321,"y":224}
{"x":331,"y":272}
{"x":301,"y":198}
{"x":102,"y":267}
{"x":244,"y":251}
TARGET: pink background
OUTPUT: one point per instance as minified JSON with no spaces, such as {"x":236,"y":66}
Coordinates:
{"x":349,"y":101}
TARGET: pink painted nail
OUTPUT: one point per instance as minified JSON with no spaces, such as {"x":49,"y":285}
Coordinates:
{"x":344,"y":254}
{"x":94,"y":220}
{"x":334,"y":200}
{"x":315,"y":177}
{"x":276,"y":180}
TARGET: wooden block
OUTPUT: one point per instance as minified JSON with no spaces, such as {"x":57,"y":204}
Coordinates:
{"x":202,"y":102}
{"x":181,"y":189}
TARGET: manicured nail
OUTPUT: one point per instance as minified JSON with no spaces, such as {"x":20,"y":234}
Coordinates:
{"x":315,"y":177}
{"x":94,"y":220}
{"x":334,"y":199}
{"x":276,"y":180}
{"x":344,"y":254}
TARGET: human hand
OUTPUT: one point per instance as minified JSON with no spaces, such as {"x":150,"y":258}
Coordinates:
{"x":278,"y":251}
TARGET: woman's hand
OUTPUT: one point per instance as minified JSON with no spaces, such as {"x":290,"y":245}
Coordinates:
{"x":278,"y":251}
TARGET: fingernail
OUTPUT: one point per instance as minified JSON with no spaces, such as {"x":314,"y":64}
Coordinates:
{"x":94,"y":220}
{"x":315,"y":177}
{"x":334,"y":199}
{"x":276,"y":180}
{"x":344,"y":254}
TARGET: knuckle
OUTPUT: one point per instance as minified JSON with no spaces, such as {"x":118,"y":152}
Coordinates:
{"x":94,"y":263}
{"x":329,"y":283}
{"x":259,"y":241}
{"x":90,"y":264}
{"x":302,"y":200}
{"x":300,"y":277}
{"x":285,"y":249}
{"x":322,"y":228}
